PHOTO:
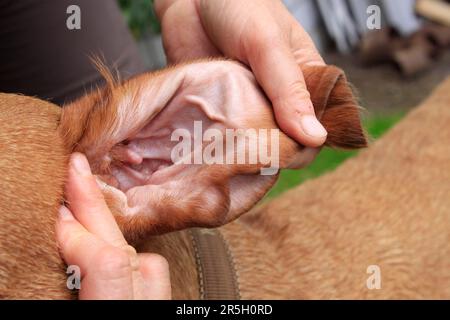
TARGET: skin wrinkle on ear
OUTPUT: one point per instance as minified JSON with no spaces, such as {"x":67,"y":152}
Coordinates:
{"x":127,"y":142}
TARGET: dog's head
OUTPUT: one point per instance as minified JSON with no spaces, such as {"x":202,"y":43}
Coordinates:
{"x":196,"y":144}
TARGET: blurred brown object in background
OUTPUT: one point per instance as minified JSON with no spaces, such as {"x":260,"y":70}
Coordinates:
{"x":410,"y":55}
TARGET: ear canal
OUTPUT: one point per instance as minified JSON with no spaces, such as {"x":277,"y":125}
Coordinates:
{"x":335,"y":107}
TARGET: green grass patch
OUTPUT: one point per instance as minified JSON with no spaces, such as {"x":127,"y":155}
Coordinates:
{"x":329,"y":159}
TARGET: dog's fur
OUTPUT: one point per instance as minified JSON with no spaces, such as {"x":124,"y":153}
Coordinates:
{"x":386,"y":207}
{"x":33,"y":167}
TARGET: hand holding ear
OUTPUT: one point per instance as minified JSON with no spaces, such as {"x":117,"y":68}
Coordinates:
{"x":263,"y":35}
{"x":88,"y":236}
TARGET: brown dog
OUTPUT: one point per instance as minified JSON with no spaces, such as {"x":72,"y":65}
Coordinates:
{"x":125,"y":131}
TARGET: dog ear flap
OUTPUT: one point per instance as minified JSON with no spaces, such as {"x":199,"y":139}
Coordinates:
{"x":126,"y":130}
{"x":335,"y":107}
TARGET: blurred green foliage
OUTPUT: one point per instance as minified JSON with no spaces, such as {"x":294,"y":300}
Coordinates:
{"x":329,"y":159}
{"x":140,"y":16}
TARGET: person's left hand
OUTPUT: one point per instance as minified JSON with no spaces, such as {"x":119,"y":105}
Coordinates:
{"x":89,"y":237}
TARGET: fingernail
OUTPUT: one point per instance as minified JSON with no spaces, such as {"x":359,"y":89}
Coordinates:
{"x":65,"y":214}
{"x":312,"y":127}
{"x":81,"y":164}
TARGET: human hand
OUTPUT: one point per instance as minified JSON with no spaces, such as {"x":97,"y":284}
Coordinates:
{"x":260,"y":33}
{"x":91,"y":239}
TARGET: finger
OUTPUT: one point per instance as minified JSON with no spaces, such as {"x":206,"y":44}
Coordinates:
{"x":277,"y":71}
{"x":87,"y":203}
{"x":106,"y":271}
{"x":155,"y":272}
{"x":77,"y":246}
{"x":183,"y":46}
{"x":161,"y":6}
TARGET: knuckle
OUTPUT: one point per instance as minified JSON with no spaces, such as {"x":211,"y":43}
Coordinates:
{"x":261,"y":43}
{"x":293,"y":99}
{"x":113,"y":263}
{"x":269,"y":40}
{"x":297,"y":90}
{"x":70,"y":241}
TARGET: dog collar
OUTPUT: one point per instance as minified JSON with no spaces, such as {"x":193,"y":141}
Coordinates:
{"x":215,"y":266}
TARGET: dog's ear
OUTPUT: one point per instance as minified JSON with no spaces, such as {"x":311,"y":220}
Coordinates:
{"x":335,"y":106}
{"x":130,"y":133}
{"x":127,"y":133}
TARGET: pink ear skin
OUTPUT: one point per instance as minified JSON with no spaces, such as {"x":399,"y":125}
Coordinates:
{"x":127,"y":139}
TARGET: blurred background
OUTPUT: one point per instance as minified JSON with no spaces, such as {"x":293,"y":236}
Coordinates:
{"x":394,"y":53}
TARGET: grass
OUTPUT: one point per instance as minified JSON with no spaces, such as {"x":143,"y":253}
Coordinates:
{"x":330,"y":159}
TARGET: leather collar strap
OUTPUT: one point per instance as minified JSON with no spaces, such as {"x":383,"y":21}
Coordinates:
{"x":217,"y":275}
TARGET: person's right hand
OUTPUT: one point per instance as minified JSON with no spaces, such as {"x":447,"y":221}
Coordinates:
{"x":259,"y":33}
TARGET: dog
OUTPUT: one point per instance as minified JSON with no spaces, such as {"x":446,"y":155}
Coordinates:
{"x":125,"y":130}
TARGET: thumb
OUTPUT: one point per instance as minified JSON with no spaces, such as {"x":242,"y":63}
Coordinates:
{"x":282,"y":80}
{"x":87,"y":203}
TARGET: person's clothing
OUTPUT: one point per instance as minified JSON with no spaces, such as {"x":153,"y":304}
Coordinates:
{"x":40,"y":56}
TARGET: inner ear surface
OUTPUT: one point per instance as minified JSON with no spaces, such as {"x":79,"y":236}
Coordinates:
{"x":146,"y":158}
